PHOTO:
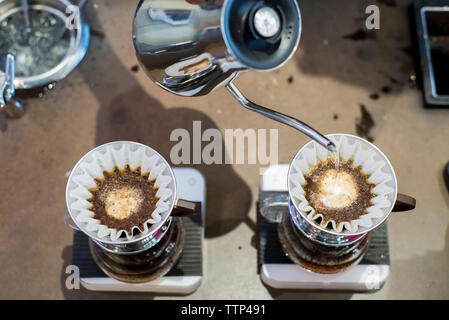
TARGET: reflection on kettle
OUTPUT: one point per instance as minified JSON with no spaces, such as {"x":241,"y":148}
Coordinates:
{"x":192,"y":47}
{"x":172,"y":17}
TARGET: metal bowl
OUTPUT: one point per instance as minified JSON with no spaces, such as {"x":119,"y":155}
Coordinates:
{"x":78,"y":42}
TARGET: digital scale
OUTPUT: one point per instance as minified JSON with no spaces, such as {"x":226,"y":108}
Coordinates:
{"x":278,"y":271}
{"x":185,"y":277}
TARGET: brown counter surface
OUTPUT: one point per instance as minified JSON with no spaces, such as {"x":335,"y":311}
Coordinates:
{"x":325,"y":84}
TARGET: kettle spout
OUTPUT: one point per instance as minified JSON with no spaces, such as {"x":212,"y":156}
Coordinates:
{"x":282,"y":118}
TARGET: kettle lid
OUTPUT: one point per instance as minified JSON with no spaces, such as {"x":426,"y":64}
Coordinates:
{"x":262,"y":35}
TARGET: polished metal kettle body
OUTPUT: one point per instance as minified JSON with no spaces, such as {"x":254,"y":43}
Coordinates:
{"x":191,"y":47}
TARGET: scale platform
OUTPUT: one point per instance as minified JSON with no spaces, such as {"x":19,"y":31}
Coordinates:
{"x":186,"y":275}
{"x":278,"y":271}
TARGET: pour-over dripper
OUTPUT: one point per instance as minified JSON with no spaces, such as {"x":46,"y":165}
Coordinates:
{"x":192,"y":49}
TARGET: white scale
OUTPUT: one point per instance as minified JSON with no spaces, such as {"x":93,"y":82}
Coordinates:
{"x":366,"y":277}
{"x":191,"y":185}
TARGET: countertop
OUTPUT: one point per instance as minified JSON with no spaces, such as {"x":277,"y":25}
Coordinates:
{"x":333,"y":73}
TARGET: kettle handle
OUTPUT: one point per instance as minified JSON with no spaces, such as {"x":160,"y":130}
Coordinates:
{"x":184,"y":208}
{"x":404,"y":203}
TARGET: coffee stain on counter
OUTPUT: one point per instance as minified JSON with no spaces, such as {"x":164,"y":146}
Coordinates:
{"x":386,"y":89}
{"x":389,"y":3}
{"x":374,"y":96}
{"x":135,"y":68}
{"x":365,"y":124}
{"x":97,"y":34}
{"x":360,"y":35}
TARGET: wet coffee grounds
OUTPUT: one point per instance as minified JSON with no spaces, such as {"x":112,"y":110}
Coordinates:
{"x":123,"y":199}
{"x":362,"y":191}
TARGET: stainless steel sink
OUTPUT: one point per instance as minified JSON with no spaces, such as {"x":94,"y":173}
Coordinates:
{"x":433,"y":41}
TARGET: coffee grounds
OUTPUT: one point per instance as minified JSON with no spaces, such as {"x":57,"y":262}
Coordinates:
{"x":123,"y":199}
{"x":351,"y":212}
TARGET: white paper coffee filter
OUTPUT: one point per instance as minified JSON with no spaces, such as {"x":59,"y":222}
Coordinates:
{"x":105,"y":158}
{"x":373,"y":163}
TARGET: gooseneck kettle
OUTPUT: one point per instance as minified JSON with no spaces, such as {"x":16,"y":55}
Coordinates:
{"x":191,"y":47}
